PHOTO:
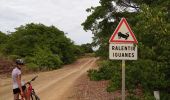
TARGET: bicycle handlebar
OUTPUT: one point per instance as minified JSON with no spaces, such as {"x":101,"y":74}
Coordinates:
{"x":34,"y":78}
{"x":31,"y":80}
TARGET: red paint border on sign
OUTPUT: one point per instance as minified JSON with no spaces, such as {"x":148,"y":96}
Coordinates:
{"x":116,"y":32}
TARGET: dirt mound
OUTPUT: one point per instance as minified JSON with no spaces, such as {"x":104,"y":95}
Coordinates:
{"x":6,"y":66}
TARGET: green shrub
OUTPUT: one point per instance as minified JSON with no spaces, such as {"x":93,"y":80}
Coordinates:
{"x":53,"y":62}
{"x":32,"y":66}
{"x":133,"y":97}
{"x":106,"y":70}
{"x":146,"y":73}
{"x":115,"y":83}
{"x":46,"y":60}
{"x":93,"y":74}
{"x":29,"y":59}
{"x":148,"y":96}
{"x":14,"y":57}
{"x":164,"y":95}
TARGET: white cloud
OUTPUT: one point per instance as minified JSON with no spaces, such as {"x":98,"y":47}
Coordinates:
{"x":66,"y":15}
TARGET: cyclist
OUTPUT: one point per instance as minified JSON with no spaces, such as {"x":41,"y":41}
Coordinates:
{"x":18,"y":85}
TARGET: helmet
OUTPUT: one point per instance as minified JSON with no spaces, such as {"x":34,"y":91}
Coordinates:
{"x":19,"y":62}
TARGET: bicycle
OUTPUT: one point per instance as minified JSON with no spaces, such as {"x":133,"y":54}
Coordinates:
{"x":30,"y":91}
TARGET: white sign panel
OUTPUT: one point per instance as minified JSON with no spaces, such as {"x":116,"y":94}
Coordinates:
{"x":123,"y":51}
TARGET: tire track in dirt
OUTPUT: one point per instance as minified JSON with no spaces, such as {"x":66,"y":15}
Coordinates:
{"x":63,"y":75}
{"x":57,"y":90}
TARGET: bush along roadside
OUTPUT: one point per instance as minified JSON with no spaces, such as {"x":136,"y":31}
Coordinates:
{"x":142,"y":75}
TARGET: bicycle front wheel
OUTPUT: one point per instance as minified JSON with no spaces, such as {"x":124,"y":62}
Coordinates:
{"x":34,"y":96}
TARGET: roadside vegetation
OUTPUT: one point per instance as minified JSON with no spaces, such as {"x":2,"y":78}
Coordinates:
{"x":42,"y":47}
{"x":150,"y":22}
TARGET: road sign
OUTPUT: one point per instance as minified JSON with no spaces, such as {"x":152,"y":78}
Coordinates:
{"x":123,"y":51}
{"x":123,"y":47}
{"x":123,"y":33}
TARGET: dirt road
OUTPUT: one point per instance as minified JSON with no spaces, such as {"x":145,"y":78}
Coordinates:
{"x":52,"y":85}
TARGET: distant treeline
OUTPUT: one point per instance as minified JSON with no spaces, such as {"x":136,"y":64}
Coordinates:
{"x":42,"y":47}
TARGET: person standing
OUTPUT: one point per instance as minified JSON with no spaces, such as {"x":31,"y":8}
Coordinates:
{"x":19,"y":87}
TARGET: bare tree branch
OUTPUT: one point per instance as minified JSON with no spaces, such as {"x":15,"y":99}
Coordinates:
{"x":129,"y":5}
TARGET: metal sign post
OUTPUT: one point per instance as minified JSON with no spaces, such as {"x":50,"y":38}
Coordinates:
{"x":123,"y":80}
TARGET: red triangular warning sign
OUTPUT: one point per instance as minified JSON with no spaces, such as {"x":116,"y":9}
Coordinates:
{"x":123,"y":33}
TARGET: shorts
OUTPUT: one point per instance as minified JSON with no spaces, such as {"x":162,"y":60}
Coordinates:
{"x":17,"y":90}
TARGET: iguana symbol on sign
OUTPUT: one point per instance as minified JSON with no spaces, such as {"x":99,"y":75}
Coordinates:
{"x":121,"y":35}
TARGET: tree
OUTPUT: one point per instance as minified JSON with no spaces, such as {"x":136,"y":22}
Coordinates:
{"x":41,"y":44}
{"x":87,"y":48}
{"x":3,"y":40}
{"x":150,"y":23}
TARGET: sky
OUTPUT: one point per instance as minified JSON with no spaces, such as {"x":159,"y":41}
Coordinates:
{"x":66,"y":15}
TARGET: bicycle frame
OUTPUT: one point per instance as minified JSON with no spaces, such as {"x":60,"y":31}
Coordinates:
{"x":29,"y":88}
